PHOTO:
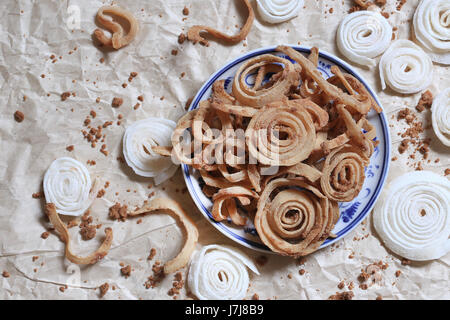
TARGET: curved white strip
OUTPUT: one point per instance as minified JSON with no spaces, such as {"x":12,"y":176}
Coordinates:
{"x":67,"y":184}
{"x":432,"y":29}
{"x":405,"y":67}
{"x":276,"y":11}
{"x":220,"y":273}
{"x":138,"y":141}
{"x":364,"y":35}
{"x":440,"y":116}
{"x":412,"y":216}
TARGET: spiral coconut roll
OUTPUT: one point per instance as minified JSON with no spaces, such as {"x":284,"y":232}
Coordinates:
{"x":405,"y":68}
{"x":343,"y":173}
{"x":364,"y":35}
{"x":220,"y":273}
{"x":412,"y":216}
{"x":440,"y":116}
{"x":281,"y":134}
{"x":295,"y":221}
{"x":277,"y":11}
{"x":68,"y":185}
{"x":432,"y":29}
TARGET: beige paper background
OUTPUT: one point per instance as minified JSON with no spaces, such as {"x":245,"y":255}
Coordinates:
{"x":30,"y":31}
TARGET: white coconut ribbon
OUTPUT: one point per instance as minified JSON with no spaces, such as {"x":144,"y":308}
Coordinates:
{"x":412,"y":216}
{"x":68,"y":185}
{"x":364,"y":35}
{"x":220,"y":273}
{"x":405,"y":68}
{"x":431,"y":24}
{"x":138,"y":141}
{"x":277,"y":11}
{"x":440,"y":116}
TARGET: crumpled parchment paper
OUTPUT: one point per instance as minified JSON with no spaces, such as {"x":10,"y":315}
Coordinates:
{"x":30,"y":32}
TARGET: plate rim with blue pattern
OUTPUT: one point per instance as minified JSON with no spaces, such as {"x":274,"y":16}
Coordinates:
{"x":347,"y":210}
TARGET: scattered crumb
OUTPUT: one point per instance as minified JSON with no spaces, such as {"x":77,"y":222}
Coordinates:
{"x":19,"y":116}
{"x":126,"y":271}
{"x":118,"y":212}
{"x":186,"y":11}
{"x":346,"y":295}
{"x":70,"y":148}
{"x":6,"y":274}
{"x":38,"y":195}
{"x":45,"y":235}
{"x":152,"y":254}
{"x":425,"y":102}
{"x":181,"y":38}
{"x":117,"y":102}
{"x":104,"y":289}
{"x":65,"y":95}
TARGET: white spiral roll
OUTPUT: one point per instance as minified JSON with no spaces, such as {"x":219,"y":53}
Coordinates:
{"x":138,"y":141}
{"x":405,"y":68}
{"x":364,"y":35}
{"x":67,"y":184}
{"x":432,"y":29}
{"x":440,"y":116}
{"x":412,"y":216}
{"x":220,"y":273}
{"x":277,"y":11}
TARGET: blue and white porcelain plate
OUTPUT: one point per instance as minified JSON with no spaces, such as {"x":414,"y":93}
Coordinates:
{"x":351,"y":213}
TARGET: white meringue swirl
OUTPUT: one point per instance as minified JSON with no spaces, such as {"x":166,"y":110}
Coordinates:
{"x":405,"y":68}
{"x":412,"y":216}
{"x":220,"y":273}
{"x":67,"y":184}
{"x":440,"y":116}
{"x":431,"y":24}
{"x":364,"y":35}
{"x":138,"y":140}
{"x":277,"y":11}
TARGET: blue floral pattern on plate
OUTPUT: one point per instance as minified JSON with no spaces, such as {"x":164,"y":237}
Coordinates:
{"x":351,"y":213}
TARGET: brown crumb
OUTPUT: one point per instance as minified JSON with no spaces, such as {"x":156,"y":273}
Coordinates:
{"x":6,"y":274}
{"x":104,"y":289}
{"x":19,"y":116}
{"x":45,"y":235}
{"x":425,"y":102}
{"x":136,"y":106}
{"x":379,"y":297}
{"x":101,"y":193}
{"x":301,"y":272}
{"x":133,"y":74}
{"x":186,"y":11}
{"x":363,"y":286}
{"x":363,"y":277}
{"x":118,"y":212}
{"x":97,"y":100}
{"x":102,"y":60}
{"x":152,"y":254}
{"x":65,"y":95}
{"x":34,"y":258}
{"x":398,"y":273}
{"x":174,"y":52}
{"x":400,"y":4}
{"x":255,"y":297}
{"x":126,"y":271}
{"x":72,"y":223}
{"x":124,"y":85}
{"x":181,"y":38}
{"x":88,"y":231}
{"x":447,"y":172}
{"x":341,"y":285}
{"x":346,"y":295}
{"x":386,"y":15}
{"x":42,"y":76}
{"x":140,"y":98}
{"x":62,"y":289}
{"x":70,"y":148}
{"x":38,"y":195}
{"x":117,"y":102}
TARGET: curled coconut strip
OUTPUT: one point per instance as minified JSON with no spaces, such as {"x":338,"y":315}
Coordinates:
{"x":97,"y":255}
{"x":225,"y":205}
{"x":364,"y":35}
{"x":194,"y":32}
{"x":277,"y":11}
{"x":440,"y":116}
{"x":264,"y":134}
{"x":67,"y":184}
{"x":405,"y":68}
{"x":343,"y":173}
{"x":172,"y":208}
{"x":220,"y":273}
{"x":412,"y":216}
{"x":295,"y":222}
{"x":118,"y":39}
{"x":361,"y":102}
{"x":249,"y":96}
{"x":431,"y":24}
